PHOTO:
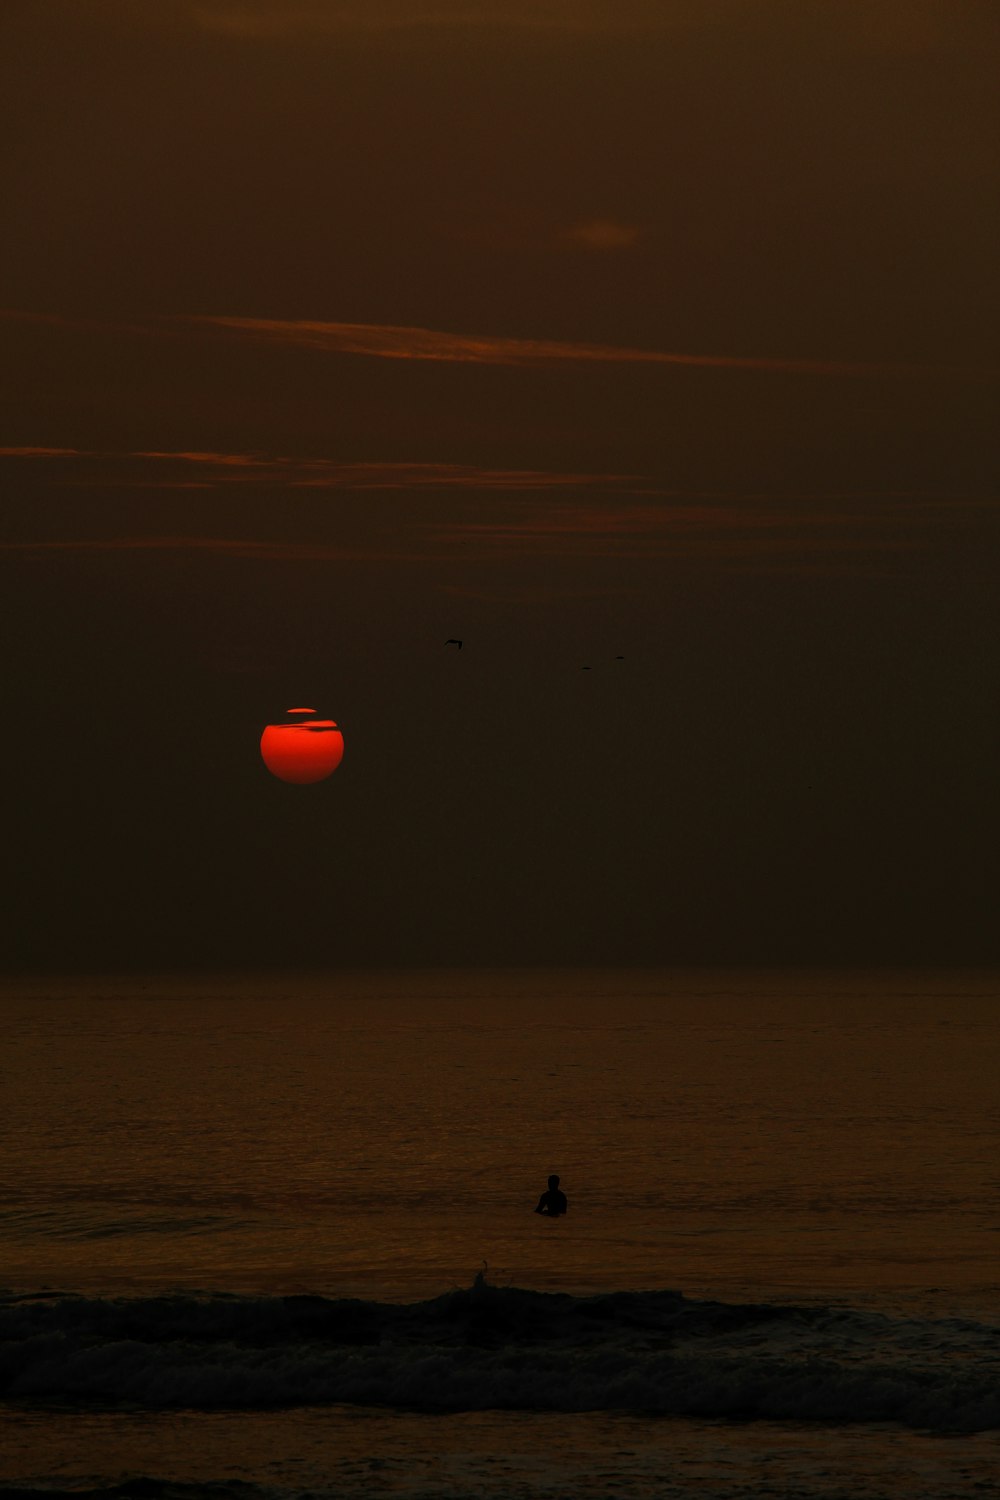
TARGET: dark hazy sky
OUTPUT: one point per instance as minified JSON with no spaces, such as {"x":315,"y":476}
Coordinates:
{"x":661,"y":328}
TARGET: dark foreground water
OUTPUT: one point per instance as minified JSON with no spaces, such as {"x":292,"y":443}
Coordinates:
{"x":242,"y":1223}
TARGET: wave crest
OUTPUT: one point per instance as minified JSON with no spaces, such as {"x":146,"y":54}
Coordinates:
{"x":505,"y":1348}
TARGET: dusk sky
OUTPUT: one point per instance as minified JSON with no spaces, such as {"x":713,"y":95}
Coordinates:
{"x":656,"y":329}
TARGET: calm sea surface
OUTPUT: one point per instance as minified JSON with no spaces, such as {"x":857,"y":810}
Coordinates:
{"x":824,"y":1147}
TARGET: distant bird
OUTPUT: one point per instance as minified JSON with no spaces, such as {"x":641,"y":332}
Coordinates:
{"x":453,"y":642}
{"x":619,"y":658}
{"x":584,"y":669}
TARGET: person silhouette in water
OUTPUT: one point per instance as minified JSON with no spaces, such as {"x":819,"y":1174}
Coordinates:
{"x":552,"y":1203}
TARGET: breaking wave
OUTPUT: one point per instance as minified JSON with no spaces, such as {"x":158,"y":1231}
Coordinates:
{"x":488,"y":1347}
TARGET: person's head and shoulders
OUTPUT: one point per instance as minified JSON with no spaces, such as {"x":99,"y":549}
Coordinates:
{"x":552,"y":1204}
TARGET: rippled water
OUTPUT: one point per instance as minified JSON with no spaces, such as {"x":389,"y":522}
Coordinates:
{"x":823,"y":1142}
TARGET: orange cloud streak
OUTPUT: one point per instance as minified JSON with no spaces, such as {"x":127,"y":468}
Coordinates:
{"x":220,"y":546}
{"x":31,"y":452}
{"x":397,"y":341}
{"x":402,"y":342}
{"x":328,"y":473}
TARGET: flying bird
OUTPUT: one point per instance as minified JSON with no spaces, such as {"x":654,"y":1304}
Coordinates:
{"x":454,"y":641}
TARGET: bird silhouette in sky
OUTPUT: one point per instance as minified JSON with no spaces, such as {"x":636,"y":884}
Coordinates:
{"x":453,"y":642}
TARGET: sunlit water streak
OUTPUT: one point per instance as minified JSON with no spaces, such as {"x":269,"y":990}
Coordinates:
{"x":827,"y":1141}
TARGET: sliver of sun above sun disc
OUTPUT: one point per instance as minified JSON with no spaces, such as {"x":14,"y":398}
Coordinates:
{"x":303,"y":748}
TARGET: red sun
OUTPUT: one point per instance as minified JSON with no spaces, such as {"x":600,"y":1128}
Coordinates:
{"x":303,"y":748}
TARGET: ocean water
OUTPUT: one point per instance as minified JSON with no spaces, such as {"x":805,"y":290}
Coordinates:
{"x":273,"y":1237}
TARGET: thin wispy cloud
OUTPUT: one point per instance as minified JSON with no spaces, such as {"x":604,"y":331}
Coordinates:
{"x":793,"y":533}
{"x":234,"y":547}
{"x":707,"y":527}
{"x":326,"y":473}
{"x":209,"y":460}
{"x":402,"y":342}
{"x":413,"y":343}
{"x":30,"y":451}
{"x":529,"y":513}
{"x":670,"y":537}
{"x":194,"y":468}
{"x":599,"y":509}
